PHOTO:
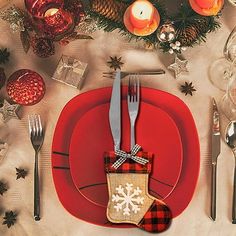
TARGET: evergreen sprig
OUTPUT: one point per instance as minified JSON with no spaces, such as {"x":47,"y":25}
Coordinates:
{"x":109,"y":25}
{"x":185,"y":17}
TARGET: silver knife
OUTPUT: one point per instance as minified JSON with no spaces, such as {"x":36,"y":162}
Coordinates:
{"x":115,"y":112}
{"x":215,"y":150}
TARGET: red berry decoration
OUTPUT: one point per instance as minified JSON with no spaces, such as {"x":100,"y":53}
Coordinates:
{"x":25,"y":87}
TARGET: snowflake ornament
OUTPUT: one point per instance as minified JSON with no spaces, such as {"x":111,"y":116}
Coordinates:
{"x":128,"y":199}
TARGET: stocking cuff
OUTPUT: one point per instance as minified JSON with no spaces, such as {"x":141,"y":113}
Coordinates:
{"x":129,"y":166}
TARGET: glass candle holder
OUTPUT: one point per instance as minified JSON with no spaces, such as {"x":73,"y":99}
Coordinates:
{"x":50,"y":17}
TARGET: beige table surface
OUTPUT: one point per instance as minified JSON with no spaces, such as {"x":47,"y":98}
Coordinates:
{"x":55,"y":219}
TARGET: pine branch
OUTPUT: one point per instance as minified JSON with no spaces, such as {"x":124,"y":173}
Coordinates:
{"x":185,"y":18}
{"x":110,"y":25}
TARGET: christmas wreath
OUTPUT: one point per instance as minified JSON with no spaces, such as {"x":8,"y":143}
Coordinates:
{"x":190,"y":25}
{"x":74,"y":19}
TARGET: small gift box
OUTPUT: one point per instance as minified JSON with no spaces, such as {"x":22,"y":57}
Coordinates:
{"x":71,"y":71}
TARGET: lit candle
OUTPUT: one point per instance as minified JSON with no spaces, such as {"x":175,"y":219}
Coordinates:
{"x":141,"y":13}
{"x":57,"y":22}
{"x":51,"y":12}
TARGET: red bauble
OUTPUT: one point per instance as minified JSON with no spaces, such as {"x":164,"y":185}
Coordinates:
{"x":25,"y":87}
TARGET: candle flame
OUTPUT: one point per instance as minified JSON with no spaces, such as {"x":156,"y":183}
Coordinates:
{"x":51,"y":12}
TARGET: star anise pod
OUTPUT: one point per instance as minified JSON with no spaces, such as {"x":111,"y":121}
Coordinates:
{"x":2,"y":77}
{"x":4,"y":55}
{"x":20,"y":173}
{"x":3,"y":187}
{"x":188,"y":88}
{"x":9,"y":219}
{"x":115,"y":63}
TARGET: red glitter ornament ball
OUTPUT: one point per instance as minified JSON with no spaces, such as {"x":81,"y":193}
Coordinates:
{"x":25,"y":87}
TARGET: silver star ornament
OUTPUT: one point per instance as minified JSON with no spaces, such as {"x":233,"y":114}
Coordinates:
{"x":179,"y":66}
{"x":9,"y":111}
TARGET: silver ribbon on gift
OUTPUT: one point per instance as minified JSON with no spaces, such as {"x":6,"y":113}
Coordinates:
{"x":124,"y":156}
{"x":67,"y":66}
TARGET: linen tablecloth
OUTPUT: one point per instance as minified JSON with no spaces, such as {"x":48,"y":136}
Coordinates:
{"x":55,"y":219}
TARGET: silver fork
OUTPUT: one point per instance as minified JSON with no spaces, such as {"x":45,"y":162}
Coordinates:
{"x":36,"y":137}
{"x":130,"y":73}
{"x":133,"y":98}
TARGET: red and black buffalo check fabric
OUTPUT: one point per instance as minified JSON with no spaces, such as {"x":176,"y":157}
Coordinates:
{"x":129,"y":166}
{"x":157,"y":219}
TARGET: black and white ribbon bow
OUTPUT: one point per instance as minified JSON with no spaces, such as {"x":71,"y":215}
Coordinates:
{"x":124,"y":156}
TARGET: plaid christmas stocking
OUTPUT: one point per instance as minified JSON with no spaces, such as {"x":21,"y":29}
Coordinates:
{"x":129,"y":200}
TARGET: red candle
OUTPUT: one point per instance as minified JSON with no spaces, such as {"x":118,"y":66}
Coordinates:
{"x":141,"y":14}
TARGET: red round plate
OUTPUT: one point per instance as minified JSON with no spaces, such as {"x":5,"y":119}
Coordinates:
{"x":155,"y":131}
{"x":73,"y":200}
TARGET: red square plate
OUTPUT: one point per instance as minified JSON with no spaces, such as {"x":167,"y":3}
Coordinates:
{"x":156,"y":132}
{"x":74,"y":201}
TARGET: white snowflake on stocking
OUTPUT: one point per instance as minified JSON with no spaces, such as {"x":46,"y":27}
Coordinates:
{"x":127,"y":199}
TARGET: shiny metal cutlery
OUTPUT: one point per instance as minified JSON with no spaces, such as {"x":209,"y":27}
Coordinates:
{"x":36,"y":136}
{"x":215,"y":152}
{"x":133,"y":99}
{"x":230,"y":138}
{"x":115,"y":111}
{"x":126,"y":73}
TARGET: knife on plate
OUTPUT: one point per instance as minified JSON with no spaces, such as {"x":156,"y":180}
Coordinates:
{"x":115,"y":111}
{"x":215,"y":152}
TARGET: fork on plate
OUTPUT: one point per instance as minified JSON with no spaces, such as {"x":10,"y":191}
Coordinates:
{"x":36,"y":136}
{"x":133,"y":99}
{"x":131,"y":73}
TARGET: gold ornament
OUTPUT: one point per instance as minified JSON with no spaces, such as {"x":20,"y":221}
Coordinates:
{"x":15,"y":17}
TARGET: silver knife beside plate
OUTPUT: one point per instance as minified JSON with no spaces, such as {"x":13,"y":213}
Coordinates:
{"x":115,"y":111}
{"x":215,"y":152}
